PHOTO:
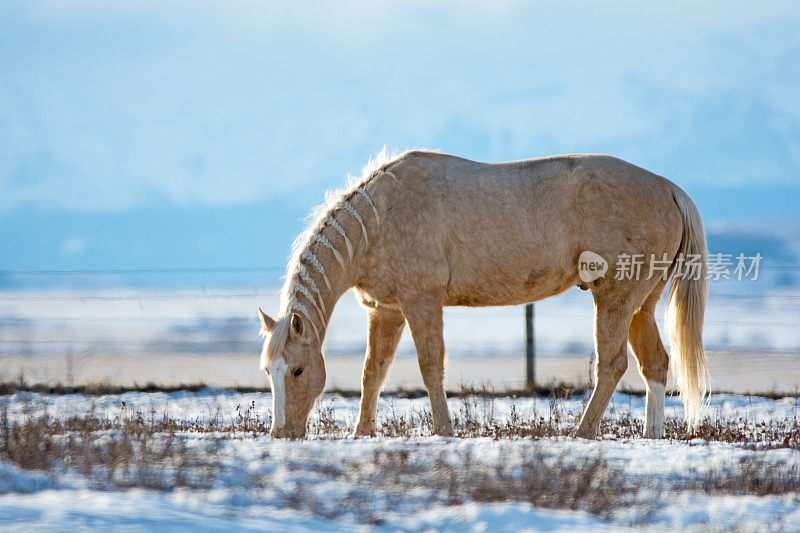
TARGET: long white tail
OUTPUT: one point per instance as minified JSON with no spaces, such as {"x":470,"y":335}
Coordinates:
{"x":688,"y":291}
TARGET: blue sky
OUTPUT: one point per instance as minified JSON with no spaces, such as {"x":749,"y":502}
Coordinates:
{"x":199,"y":134}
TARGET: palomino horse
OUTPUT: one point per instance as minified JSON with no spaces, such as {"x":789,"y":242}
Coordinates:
{"x":426,"y":230}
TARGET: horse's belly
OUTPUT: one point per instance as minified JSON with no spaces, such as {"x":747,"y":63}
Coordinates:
{"x":508,"y":291}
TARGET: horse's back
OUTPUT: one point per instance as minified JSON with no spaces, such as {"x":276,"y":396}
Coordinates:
{"x":569,"y":193}
{"x":499,"y":233}
{"x":437,"y":170}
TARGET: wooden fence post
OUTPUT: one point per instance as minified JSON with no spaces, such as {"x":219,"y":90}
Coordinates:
{"x":530,"y":353}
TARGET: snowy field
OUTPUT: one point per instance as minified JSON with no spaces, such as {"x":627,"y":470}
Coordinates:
{"x":130,"y":336}
{"x":201,"y":461}
{"x":208,"y":320}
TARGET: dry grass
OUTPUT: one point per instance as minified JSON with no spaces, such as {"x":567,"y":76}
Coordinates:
{"x":474,"y":417}
{"x":554,"y":389}
{"x":383,"y":479}
{"x":109,"y":453}
{"x":151,"y":450}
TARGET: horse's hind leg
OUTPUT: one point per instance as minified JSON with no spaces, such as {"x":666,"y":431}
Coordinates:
{"x":384,"y":332}
{"x":653,"y":362}
{"x":423,"y":313}
{"x":611,"y":320}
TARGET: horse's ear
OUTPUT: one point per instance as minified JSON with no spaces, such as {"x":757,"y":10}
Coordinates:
{"x":266,"y":322}
{"x":298,"y":327}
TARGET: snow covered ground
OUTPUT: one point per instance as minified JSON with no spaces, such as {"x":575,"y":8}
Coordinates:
{"x":333,"y":482}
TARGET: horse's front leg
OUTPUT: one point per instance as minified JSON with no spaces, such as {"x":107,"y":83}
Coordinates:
{"x":385,"y":330}
{"x":423,"y":313}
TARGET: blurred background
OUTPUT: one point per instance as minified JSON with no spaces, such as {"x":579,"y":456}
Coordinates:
{"x":157,"y":160}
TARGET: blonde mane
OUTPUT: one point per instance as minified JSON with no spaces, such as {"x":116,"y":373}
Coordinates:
{"x":302,"y":261}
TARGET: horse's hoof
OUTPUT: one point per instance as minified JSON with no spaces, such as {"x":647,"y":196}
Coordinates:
{"x":364,"y":431}
{"x":579,"y":434}
{"x":444,"y":432}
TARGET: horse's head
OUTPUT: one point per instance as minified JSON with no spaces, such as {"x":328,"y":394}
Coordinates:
{"x":292,"y":358}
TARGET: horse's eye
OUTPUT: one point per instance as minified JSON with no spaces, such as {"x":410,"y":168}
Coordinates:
{"x":297,"y":372}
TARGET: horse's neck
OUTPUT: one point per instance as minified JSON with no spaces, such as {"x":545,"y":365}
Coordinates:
{"x":320,"y":280}
{"x":314,"y":295}
{"x":328,"y":264}
{"x":330,"y":300}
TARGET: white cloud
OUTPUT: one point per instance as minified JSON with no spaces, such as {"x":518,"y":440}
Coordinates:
{"x":106,"y":106}
{"x":74,"y":246}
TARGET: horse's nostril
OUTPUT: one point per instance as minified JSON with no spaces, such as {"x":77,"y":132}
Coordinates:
{"x":297,"y":372}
